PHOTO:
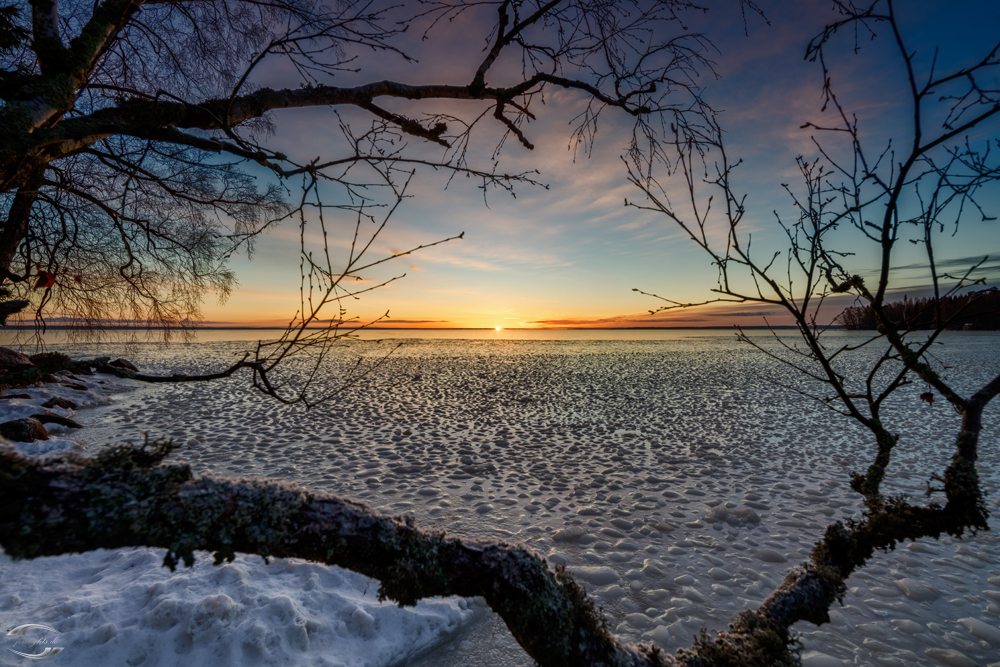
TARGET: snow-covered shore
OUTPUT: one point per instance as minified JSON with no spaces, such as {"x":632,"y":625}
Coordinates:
{"x":667,"y":475}
{"x":122,"y":607}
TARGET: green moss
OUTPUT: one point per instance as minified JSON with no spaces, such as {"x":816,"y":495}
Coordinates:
{"x":869,"y":485}
{"x":126,"y":457}
{"x":52,"y":365}
{"x":752,"y":641}
{"x":965,"y":498}
{"x":133,"y":498}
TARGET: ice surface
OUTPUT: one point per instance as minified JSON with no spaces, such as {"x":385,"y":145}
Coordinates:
{"x":672,"y":475}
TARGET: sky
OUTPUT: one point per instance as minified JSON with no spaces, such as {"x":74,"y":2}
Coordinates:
{"x":572,"y":254}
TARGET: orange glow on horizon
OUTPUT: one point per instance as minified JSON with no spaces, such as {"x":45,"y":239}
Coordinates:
{"x":414,"y":316}
{"x":690,"y":319}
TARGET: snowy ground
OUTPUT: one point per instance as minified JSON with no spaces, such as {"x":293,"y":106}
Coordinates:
{"x":671,"y":477}
{"x":122,"y":607}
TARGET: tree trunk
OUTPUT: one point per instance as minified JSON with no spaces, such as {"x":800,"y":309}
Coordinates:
{"x":15,"y":228}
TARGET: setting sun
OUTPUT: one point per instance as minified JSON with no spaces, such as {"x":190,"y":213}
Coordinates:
{"x":499,"y":328}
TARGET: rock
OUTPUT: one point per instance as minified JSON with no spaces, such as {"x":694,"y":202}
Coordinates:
{"x":748,"y":515}
{"x":58,"y":402}
{"x":52,"y":418}
{"x":14,"y":362}
{"x":8,"y":396}
{"x":716,"y":514}
{"x":73,"y":385}
{"x":733,"y":517}
{"x":49,"y":360}
{"x":24,"y":430}
{"x":123,"y":363}
{"x":48,"y":378}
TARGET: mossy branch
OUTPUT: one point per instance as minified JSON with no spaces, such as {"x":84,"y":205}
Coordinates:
{"x":128,"y":496}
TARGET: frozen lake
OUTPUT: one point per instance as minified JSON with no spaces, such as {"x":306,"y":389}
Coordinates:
{"x":666,"y":470}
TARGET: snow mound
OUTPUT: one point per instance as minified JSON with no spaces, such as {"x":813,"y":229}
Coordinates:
{"x":123,"y":607}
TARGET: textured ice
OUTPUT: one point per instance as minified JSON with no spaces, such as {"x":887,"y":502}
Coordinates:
{"x":678,"y":482}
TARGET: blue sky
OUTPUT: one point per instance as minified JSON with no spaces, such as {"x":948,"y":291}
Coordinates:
{"x":570,"y":255}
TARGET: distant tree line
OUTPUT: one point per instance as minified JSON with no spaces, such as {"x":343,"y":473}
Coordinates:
{"x":976,"y":311}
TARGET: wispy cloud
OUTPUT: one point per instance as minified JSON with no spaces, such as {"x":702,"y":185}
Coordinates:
{"x":576,"y":244}
{"x":747,"y":313}
{"x":991,"y":263}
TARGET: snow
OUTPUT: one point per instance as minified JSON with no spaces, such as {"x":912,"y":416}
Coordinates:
{"x":122,"y":607}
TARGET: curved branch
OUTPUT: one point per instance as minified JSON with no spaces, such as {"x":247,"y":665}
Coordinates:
{"x":127,"y":497}
{"x":138,"y":117}
{"x":121,"y":498}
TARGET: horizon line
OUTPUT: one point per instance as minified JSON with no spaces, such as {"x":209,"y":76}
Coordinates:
{"x":278,"y":328}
